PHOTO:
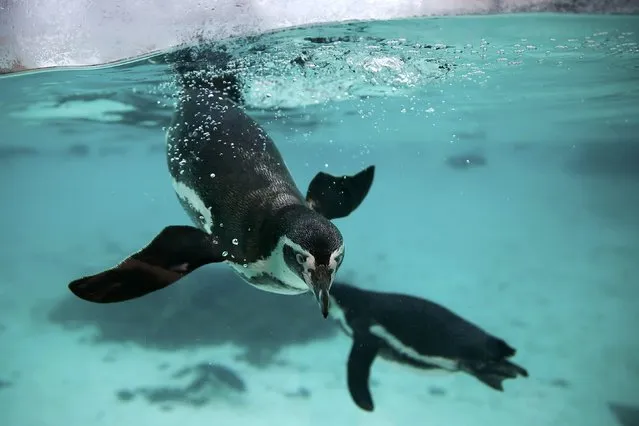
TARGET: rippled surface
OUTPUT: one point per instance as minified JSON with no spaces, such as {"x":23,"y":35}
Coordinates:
{"x":417,"y":63}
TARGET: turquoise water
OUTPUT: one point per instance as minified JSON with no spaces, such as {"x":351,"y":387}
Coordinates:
{"x":507,"y":189}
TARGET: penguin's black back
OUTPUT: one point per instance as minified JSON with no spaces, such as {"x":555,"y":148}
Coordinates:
{"x":217,"y":150}
{"x":425,"y":326}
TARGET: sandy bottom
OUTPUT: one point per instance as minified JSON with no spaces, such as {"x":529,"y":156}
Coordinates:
{"x":540,"y":257}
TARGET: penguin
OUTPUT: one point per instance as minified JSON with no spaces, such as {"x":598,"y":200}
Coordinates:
{"x":247,"y":211}
{"x":417,"y":333}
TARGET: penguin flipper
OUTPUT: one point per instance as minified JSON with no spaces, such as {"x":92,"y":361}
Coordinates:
{"x":360,"y":360}
{"x":338,"y":196}
{"x":175,"y":252}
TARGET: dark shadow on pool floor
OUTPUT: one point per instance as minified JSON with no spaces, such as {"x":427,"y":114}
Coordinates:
{"x":212,"y":306}
{"x":205,"y":383}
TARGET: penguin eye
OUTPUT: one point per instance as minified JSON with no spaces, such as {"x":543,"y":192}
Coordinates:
{"x":301,"y":259}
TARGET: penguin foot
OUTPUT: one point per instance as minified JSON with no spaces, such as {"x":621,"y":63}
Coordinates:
{"x":493,"y":374}
{"x":338,"y":196}
{"x":175,"y":252}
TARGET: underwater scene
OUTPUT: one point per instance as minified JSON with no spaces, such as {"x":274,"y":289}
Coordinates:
{"x":430,"y":220}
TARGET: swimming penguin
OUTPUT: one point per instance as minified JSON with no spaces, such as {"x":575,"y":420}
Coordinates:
{"x":417,"y":333}
{"x":232,"y":182}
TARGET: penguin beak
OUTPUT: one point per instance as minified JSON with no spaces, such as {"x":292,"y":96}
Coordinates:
{"x":321,"y":280}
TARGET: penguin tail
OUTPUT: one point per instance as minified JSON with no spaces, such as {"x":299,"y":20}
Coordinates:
{"x":206,"y":66}
{"x":497,"y":368}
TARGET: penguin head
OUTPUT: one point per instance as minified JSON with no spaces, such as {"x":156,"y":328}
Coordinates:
{"x":313,"y":249}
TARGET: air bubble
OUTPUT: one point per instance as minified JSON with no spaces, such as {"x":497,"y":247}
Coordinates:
{"x":225,"y":253}
{"x":235,"y":242}
{"x":212,"y":175}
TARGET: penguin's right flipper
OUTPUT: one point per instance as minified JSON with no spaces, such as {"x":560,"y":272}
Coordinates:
{"x":175,"y":252}
{"x":360,"y":360}
{"x":338,"y":196}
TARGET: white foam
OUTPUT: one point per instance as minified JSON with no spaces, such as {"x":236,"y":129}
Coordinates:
{"x":40,"y":33}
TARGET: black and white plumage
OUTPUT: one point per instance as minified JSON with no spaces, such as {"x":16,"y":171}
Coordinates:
{"x":232,"y":181}
{"x":416,"y":333}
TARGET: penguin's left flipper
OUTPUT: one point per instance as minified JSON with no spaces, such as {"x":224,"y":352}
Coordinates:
{"x":360,"y":361}
{"x":338,"y":196}
{"x":175,"y":252}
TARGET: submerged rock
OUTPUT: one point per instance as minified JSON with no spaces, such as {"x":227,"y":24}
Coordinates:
{"x":466,"y":161}
{"x":627,"y":415}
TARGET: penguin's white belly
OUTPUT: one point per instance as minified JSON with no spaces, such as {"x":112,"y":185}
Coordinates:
{"x":269,"y":276}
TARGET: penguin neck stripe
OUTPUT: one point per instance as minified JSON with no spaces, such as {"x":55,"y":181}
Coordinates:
{"x":191,"y":197}
{"x":287,"y":241}
{"x":337,"y":314}
{"x":333,"y":260}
